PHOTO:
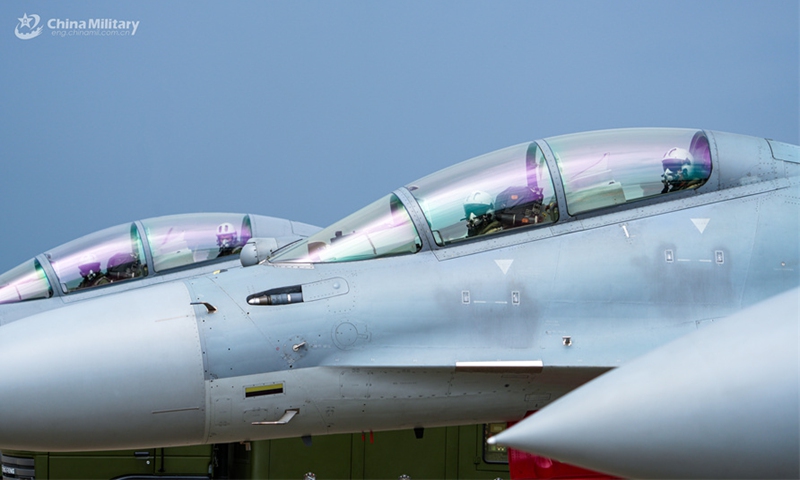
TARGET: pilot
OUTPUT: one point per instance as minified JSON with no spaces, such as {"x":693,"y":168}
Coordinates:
{"x":679,"y":170}
{"x":521,"y":206}
{"x":479,"y":214}
{"x":123,"y":266}
{"x":227,"y":240}
{"x":91,"y":273}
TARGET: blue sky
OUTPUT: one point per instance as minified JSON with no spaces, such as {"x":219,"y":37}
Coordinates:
{"x":311,"y":110}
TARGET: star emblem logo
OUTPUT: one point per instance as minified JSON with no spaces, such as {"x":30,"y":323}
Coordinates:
{"x":25,"y":21}
{"x":28,"y":22}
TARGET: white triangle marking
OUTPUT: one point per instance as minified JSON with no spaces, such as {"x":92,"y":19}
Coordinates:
{"x":701,"y":224}
{"x":504,"y":265}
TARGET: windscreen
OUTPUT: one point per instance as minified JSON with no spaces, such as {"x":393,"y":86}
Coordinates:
{"x":381,"y":229}
{"x":25,"y":282}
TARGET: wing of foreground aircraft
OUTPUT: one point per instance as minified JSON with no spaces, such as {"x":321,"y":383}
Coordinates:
{"x":476,"y":294}
{"x":141,"y":253}
{"x":718,"y":403}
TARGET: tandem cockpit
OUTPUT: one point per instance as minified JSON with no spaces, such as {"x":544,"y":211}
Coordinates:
{"x":527,"y":186}
{"x":142,"y":249}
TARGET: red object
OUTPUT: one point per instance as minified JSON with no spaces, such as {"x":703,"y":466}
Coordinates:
{"x":523,"y":466}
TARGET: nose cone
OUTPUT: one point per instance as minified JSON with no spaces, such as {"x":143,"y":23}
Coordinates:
{"x":719,"y":403}
{"x":119,"y":371}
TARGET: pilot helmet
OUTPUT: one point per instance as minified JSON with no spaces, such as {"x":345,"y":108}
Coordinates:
{"x":678,"y":162}
{"x":89,"y":265}
{"x":226,"y":235}
{"x":478,"y":203}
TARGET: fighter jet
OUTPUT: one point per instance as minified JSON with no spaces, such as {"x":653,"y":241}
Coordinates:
{"x":475,"y":294}
{"x":718,"y":403}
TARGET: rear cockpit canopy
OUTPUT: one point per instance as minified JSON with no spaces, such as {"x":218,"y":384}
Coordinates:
{"x":515,"y":189}
{"x":607,"y":168}
{"x":128,"y":251}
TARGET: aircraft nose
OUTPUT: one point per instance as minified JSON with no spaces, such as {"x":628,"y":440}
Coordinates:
{"x":119,"y":371}
{"x":721,"y":402}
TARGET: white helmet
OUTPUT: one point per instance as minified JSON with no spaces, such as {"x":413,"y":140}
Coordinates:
{"x":226,"y":235}
{"x":478,"y":203}
{"x":89,"y":265}
{"x":679,"y":161}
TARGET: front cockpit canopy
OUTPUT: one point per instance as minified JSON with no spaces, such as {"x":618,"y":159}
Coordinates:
{"x":111,"y":255}
{"x":496,"y":192}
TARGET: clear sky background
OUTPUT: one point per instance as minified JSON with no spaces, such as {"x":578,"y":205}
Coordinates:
{"x":309,"y":110}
